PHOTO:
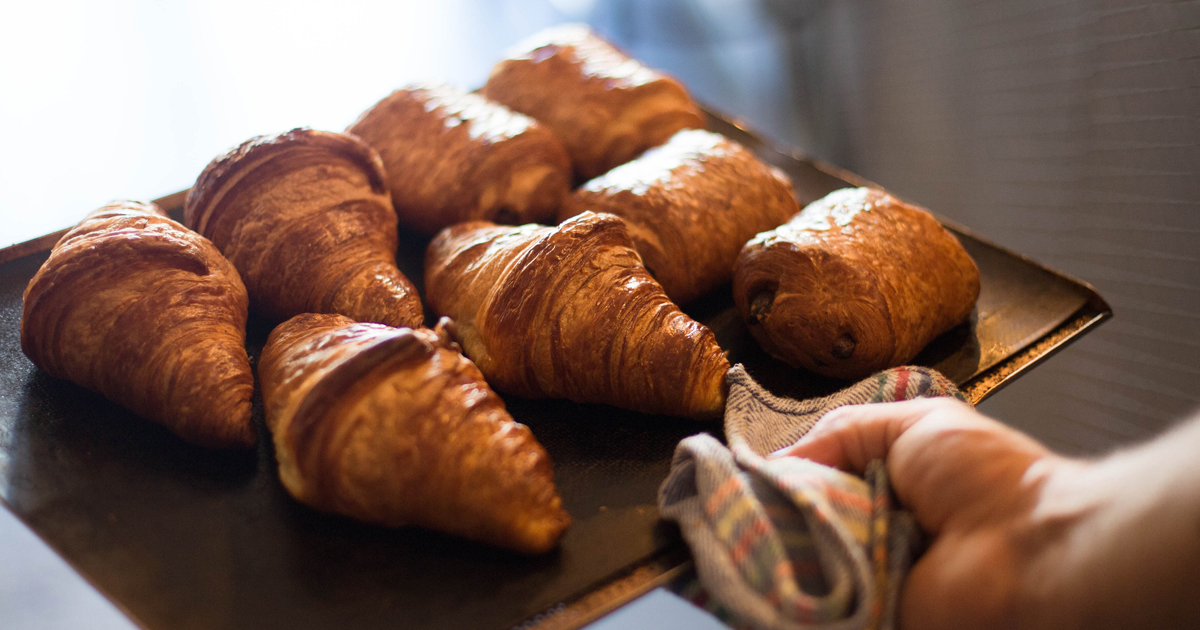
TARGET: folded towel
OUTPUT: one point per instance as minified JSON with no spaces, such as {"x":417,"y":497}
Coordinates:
{"x":787,"y":543}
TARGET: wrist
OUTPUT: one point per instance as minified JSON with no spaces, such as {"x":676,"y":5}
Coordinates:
{"x":1048,"y":583}
{"x":1110,"y":544}
{"x":1128,"y":546}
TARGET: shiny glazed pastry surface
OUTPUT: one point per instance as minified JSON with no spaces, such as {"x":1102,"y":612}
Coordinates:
{"x":857,"y":282}
{"x":690,"y":206}
{"x":141,"y":309}
{"x":570,"y":312}
{"x":452,"y":156}
{"x":606,"y":107}
{"x":306,"y":218}
{"x":395,"y":426}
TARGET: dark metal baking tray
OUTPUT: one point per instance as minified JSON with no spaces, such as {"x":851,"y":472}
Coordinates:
{"x":182,"y":537}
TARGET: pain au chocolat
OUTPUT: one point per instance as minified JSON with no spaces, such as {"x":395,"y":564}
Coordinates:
{"x":394,"y":426}
{"x":453,"y":156}
{"x":141,"y":309}
{"x":306,"y":218}
{"x":857,"y":282}
{"x":606,"y":107}
{"x":690,"y":205}
{"x":570,"y":312}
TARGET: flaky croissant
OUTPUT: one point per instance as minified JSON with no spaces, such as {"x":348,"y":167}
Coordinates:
{"x":395,"y":426}
{"x":137,"y":307}
{"x":690,"y":206}
{"x":570,"y":312}
{"x":857,"y":282}
{"x":307,"y":220}
{"x":606,"y":107}
{"x":453,"y":156}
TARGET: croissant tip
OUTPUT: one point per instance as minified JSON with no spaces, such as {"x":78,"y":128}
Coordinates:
{"x":447,"y":333}
{"x":542,"y":536}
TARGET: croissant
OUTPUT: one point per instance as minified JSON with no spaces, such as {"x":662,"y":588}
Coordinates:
{"x":453,"y":156}
{"x":395,"y":426}
{"x":606,"y":107}
{"x":307,"y":220}
{"x":857,"y":282}
{"x":690,"y":205}
{"x":570,"y":312}
{"x":137,"y":307}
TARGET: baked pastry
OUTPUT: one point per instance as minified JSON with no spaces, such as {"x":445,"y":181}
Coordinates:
{"x":141,"y":309}
{"x":606,"y":107}
{"x":857,"y":282}
{"x":306,"y":218}
{"x":570,"y":312}
{"x":395,"y":426}
{"x":453,"y":156}
{"x":690,"y":205}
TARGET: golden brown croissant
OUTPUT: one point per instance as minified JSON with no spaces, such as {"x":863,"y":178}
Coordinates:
{"x":570,"y":312}
{"x":606,"y":107}
{"x":452,"y":156}
{"x":857,"y":282}
{"x":307,"y":220}
{"x":690,"y":206}
{"x":143,"y":310}
{"x":395,"y":426}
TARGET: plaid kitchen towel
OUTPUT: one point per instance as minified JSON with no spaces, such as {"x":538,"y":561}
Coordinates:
{"x":787,"y":543}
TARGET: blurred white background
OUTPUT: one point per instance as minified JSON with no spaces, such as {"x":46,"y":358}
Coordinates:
{"x":131,"y":99}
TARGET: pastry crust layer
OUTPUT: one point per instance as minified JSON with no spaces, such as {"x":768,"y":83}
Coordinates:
{"x":857,"y":282}
{"x":691,"y":204}
{"x":453,"y":156}
{"x":141,"y":309}
{"x":395,"y":426}
{"x":606,"y":107}
{"x":570,"y":312}
{"x":306,"y":218}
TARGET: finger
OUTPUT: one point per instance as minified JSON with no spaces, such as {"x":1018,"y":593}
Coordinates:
{"x":850,"y":437}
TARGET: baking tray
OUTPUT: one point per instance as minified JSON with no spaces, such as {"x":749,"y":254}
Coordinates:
{"x":182,"y":537}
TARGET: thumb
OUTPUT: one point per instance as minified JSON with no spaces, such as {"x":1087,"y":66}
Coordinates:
{"x":850,"y":437}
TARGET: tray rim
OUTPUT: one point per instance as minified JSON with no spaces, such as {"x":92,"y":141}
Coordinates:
{"x":641,"y":577}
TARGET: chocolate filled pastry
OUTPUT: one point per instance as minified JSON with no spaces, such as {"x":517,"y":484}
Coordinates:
{"x":452,"y":156}
{"x":606,"y":107}
{"x":857,"y":282}
{"x":394,"y":426}
{"x":570,"y":312}
{"x":306,"y":218}
{"x":141,"y":309}
{"x":691,"y":205}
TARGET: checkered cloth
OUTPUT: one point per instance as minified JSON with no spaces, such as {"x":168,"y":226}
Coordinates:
{"x":787,"y":543}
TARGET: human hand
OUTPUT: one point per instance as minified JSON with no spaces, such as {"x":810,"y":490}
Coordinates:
{"x":973,"y":484}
